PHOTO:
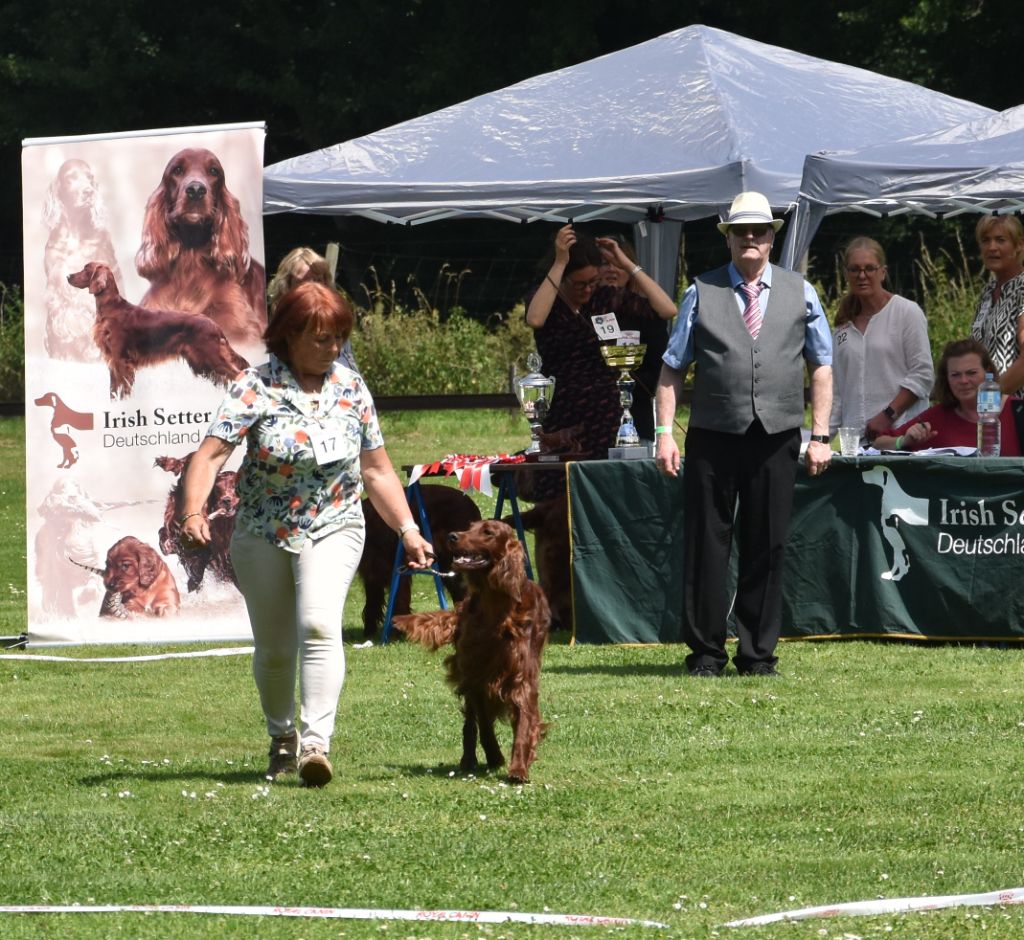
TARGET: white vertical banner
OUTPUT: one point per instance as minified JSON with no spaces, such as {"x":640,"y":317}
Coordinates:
{"x":144,"y":294}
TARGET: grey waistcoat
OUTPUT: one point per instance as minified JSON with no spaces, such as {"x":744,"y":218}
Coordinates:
{"x":739,"y":378}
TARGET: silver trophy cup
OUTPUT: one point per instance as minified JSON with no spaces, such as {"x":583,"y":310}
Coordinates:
{"x":534,"y":392}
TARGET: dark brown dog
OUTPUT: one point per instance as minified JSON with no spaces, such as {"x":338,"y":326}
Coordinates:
{"x":448,"y":510}
{"x":499,"y":632}
{"x":219,"y":512}
{"x":195,"y":249}
{"x":549,"y":522}
{"x":137,"y":580}
{"x":130,"y":337}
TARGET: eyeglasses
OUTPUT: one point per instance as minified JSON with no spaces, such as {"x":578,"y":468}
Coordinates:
{"x":583,"y":285}
{"x":755,"y":231}
{"x":866,"y":269}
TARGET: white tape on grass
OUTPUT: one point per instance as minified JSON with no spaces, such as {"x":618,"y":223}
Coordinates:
{"x":889,"y":906}
{"x":152,"y":657}
{"x":346,"y":913}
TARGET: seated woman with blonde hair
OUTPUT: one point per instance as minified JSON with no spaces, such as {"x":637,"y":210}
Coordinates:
{"x":300,"y":265}
{"x":953,"y":421}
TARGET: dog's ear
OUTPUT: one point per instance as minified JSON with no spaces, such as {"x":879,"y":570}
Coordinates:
{"x":508,"y":573}
{"x":229,"y":246}
{"x":99,"y":279}
{"x":159,"y":249}
{"x":149,"y":565}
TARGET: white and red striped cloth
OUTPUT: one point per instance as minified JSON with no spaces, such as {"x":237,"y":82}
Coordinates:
{"x":474,"y":471}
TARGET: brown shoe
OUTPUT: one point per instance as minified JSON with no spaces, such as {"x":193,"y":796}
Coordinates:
{"x":284,"y":752}
{"x":315,"y":769}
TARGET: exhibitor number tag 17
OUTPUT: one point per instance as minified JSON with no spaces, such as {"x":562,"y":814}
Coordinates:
{"x":328,"y":445}
{"x":606,"y":326}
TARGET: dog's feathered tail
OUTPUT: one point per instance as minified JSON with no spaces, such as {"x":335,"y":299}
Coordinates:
{"x":432,"y":630}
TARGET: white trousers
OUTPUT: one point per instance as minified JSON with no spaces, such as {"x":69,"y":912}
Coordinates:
{"x":295,"y":603}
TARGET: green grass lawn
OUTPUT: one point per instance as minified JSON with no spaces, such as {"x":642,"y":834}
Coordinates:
{"x":870,"y":770}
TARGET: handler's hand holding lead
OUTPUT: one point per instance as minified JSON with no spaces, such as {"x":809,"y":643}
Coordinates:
{"x":418,"y":551}
{"x":817,"y":457}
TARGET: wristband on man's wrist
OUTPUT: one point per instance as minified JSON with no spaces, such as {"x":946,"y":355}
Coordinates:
{"x":898,"y":445}
{"x":663,"y":429}
{"x":408,"y":527}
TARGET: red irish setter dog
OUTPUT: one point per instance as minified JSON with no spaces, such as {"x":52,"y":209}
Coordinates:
{"x":195,"y":249}
{"x":130,"y":337}
{"x":499,"y":632}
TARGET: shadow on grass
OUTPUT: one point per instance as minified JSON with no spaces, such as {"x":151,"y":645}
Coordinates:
{"x":444,"y":772}
{"x":618,"y":669}
{"x":156,"y":775}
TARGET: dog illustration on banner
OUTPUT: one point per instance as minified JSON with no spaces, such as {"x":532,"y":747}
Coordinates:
{"x":61,"y":424}
{"x":896,"y":505}
{"x":195,"y":249}
{"x":75,"y":217}
{"x":131,"y":337}
{"x":137,"y":581}
{"x":219,"y":512}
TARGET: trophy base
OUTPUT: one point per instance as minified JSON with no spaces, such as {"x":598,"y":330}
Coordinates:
{"x":553,"y":458}
{"x":639,"y":452}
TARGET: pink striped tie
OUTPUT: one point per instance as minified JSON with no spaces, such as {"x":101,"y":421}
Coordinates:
{"x":752,"y":316}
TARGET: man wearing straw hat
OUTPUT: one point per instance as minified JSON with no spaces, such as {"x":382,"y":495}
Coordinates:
{"x":748,"y":327}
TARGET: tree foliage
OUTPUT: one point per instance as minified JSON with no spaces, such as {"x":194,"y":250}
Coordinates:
{"x":323,"y":71}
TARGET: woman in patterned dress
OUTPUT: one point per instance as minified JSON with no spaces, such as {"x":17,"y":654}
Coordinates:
{"x":998,"y":323}
{"x":559,"y":310}
{"x":312,"y":444}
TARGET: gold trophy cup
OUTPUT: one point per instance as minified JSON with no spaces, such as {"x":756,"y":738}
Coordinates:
{"x":625,"y":358}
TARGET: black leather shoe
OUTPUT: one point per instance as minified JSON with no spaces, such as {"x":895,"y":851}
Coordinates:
{"x":705,"y":672}
{"x":762,"y":669}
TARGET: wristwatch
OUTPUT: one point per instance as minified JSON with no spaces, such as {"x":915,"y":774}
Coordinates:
{"x":820,"y":438}
{"x":889,"y":412}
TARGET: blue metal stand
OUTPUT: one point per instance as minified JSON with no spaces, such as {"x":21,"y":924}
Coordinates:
{"x":415,"y":498}
{"x":507,"y":490}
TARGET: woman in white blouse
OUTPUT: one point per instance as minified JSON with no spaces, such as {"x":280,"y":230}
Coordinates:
{"x":882,"y":362}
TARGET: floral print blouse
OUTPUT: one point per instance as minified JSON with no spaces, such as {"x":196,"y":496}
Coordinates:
{"x":285,"y":495}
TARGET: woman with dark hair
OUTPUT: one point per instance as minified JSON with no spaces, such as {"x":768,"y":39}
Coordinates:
{"x":953,"y":420}
{"x":312,"y":443}
{"x":882,"y":361}
{"x":559,"y":310}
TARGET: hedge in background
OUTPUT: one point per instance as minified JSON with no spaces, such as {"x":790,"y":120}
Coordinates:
{"x":415,"y":352}
{"x":12,"y":344}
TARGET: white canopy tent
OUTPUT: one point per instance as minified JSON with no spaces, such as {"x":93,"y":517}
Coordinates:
{"x":977,"y":166}
{"x":668,"y":129}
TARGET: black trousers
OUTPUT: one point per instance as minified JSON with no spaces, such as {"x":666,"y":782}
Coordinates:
{"x":755,"y":471}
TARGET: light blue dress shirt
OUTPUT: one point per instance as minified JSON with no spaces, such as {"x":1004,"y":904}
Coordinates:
{"x":817,"y":332}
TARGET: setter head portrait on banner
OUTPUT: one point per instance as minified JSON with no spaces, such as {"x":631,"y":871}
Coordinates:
{"x":195,"y":249}
{"x":75,"y":218}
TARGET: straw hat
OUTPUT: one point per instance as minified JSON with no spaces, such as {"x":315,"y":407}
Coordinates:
{"x":751,"y":208}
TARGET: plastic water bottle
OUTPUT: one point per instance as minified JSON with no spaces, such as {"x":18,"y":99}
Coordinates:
{"x":990,"y":402}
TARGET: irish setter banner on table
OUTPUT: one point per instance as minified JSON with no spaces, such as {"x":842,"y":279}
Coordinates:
{"x":144,"y":295}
